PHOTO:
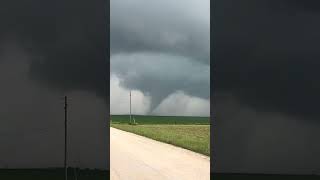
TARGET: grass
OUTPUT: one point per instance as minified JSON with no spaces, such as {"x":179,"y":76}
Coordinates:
{"x":52,"y":174}
{"x":124,"y":119}
{"x":191,"y":133}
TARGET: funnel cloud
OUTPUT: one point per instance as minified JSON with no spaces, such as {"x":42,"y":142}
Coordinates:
{"x":160,"y":48}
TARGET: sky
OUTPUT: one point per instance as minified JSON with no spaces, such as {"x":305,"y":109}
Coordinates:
{"x":161,"y":51}
{"x":49,"y":49}
{"x":266,"y":86}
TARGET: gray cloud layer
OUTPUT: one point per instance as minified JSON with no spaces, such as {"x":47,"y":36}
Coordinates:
{"x":160,"y":47}
{"x":173,"y":27}
{"x":49,"y":49}
{"x":160,"y":75}
{"x":64,"y":39}
{"x":267,"y":55}
{"x":266,"y":86}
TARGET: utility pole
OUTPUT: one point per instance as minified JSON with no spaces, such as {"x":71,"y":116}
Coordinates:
{"x":130,"y":107}
{"x":65,"y":137}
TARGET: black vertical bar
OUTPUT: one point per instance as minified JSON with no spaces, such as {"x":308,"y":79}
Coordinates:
{"x":65,"y":137}
{"x":130,"y":106}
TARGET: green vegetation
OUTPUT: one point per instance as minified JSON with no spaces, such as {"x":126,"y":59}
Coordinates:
{"x":191,"y":133}
{"x":52,"y":174}
{"x":124,"y":119}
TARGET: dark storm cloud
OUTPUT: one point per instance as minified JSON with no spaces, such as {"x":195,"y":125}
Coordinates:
{"x":158,"y":40}
{"x":267,"y":55}
{"x":178,"y":27}
{"x":266,"y":86}
{"x":49,"y":49}
{"x":64,"y":40}
{"x":160,"y":75}
{"x":32,"y":119}
{"x":247,"y":141}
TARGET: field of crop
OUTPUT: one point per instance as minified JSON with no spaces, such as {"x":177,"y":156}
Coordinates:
{"x":191,"y":133}
{"x":124,"y":119}
{"x":52,"y":174}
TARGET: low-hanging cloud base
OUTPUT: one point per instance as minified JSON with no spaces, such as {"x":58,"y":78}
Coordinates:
{"x":161,"y":51}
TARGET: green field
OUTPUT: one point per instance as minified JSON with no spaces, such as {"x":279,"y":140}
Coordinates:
{"x":191,"y":133}
{"x":52,"y":174}
{"x":124,"y":119}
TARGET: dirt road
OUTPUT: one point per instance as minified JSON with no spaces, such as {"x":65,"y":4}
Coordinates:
{"x":133,"y":157}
